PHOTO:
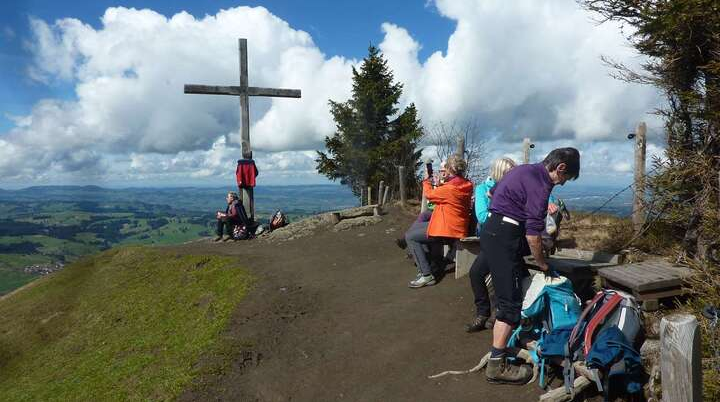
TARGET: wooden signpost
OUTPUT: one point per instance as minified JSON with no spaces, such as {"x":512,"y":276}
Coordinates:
{"x":243,"y":91}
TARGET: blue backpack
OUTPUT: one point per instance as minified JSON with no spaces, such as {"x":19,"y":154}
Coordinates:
{"x":550,"y":311}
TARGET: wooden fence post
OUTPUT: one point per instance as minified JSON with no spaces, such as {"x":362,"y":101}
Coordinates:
{"x":369,"y":195}
{"x":385,"y":196}
{"x":401,"y":183}
{"x":460,"y":151}
{"x":680,"y":358}
{"x":526,"y":150}
{"x":380,"y":192}
{"x":638,"y":215}
{"x":423,"y":200}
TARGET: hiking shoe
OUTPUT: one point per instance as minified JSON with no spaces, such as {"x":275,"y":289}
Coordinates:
{"x":423,"y":280}
{"x":499,"y":371}
{"x":218,"y":238}
{"x":479,"y":323}
{"x":227,"y":238}
{"x":401,"y":243}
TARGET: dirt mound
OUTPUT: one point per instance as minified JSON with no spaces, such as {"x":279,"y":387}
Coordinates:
{"x":332,"y":318}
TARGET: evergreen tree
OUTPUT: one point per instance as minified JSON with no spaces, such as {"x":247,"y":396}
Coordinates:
{"x":368,"y":143}
{"x":682,"y":40}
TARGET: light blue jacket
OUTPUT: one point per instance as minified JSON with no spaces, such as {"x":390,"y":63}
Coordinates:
{"x":482,"y":201}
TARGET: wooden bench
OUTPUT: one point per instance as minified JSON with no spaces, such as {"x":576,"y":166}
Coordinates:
{"x":649,"y":281}
{"x":580,"y":266}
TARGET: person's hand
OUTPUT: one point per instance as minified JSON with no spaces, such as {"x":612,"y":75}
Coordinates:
{"x":552,"y":208}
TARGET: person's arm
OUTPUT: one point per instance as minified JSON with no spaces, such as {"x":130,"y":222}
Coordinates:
{"x":535,"y":243}
{"x":233,"y":212}
{"x":482,"y":203}
{"x":437,"y":195}
{"x":536,"y":207}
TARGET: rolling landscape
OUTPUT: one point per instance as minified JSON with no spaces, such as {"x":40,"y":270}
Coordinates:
{"x":44,"y":228}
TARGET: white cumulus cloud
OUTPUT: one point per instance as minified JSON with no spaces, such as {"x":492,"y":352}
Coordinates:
{"x":520,"y":69}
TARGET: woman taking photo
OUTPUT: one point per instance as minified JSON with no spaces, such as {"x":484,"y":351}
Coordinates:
{"x":449,"y":220}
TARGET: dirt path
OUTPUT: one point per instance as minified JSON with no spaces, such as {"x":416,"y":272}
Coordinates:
{"x":333,"y":319}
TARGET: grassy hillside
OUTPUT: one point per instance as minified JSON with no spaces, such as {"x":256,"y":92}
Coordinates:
{"x":130,"y":323}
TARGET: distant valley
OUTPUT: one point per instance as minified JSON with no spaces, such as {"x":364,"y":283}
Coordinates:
{"x":43,"y":228}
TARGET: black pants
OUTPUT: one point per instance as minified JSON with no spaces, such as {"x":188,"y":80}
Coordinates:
{"x":478,"y":272}
{"x":229,"y":226}
{"x":503,"y":247}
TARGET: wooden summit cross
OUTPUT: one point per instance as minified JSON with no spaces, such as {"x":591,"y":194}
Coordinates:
{"x":244,"y":92}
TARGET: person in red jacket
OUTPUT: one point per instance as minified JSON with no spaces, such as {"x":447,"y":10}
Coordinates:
{"x":449,"y":221}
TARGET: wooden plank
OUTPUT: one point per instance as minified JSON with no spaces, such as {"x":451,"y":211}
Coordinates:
{"x":647,"y":276}
{"x":211,"y":89}
{"x":275,"y":92}
{"x":592,"y":256}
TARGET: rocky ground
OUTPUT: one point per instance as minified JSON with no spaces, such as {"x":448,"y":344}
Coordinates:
{"x":331,"y":318}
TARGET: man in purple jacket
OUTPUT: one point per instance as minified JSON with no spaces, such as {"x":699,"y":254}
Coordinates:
{"x":518,"y":208}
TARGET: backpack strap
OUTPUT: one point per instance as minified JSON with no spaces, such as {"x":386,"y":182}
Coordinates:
{"x":576,"y":332}
{"x":598,"y":318}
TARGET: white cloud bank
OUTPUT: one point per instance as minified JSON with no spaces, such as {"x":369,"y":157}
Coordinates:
{"x":521,"y":68}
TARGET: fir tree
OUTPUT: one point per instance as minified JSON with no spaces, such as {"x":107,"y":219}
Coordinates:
{"x":369,"y":143}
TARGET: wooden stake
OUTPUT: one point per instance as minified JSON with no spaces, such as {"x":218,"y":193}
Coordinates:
{"x":401,"y":181}
{"x":680,"y":359}
{"x":385,"y":196}
{"x":526,"y":150}
{"x":369,"y":195}
{"x":638,"y":216}
{"x":460,"y":151}
{"x":380,"y":192}
{"x":424,"y":201}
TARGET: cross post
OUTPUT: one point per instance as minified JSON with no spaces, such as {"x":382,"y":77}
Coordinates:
{"x":243,"y":91}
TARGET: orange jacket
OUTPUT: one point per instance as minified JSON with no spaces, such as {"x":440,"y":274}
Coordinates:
{"x":451,"y":216}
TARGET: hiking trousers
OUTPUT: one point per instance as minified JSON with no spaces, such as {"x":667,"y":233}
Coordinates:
{"x":502,"y":245}
{"x":229,"y":226}
{"x":478,"y":271}
{"x":421,"y":247}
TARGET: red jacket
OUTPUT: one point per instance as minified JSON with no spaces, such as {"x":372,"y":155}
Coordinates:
{"x":246,"y":172}
{"x":451,"y":216}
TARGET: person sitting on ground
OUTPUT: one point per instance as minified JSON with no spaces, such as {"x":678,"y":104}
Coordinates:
{"x":518,"y":210}
{"x":449,"y":219}
{"x":233,"y":216}
{"x":479,"y":269}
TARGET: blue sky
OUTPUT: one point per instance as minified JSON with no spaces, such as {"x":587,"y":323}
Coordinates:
{"x":91,"y":92}
{"x":337,"y":27}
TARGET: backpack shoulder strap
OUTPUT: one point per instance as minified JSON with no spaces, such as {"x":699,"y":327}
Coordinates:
{"x":577,"y":330}
{"x":598,"y":318}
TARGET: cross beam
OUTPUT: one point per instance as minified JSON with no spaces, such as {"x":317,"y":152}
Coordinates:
{"x":243,"y":91}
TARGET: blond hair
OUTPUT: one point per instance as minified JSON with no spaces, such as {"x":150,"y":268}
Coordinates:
{"x":456,"y":165}
{"x":499,"y":167}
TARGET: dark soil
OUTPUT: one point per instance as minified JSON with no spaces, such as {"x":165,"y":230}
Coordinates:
{"x":331,"y":318}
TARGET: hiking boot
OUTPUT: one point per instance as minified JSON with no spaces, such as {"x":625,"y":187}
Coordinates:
{"x":401,"y":243}
{"x":227,"y":238}
{"x":218,"y":238}
{"x":423,"y":280}
{"x":499,"y":371}
{"x":479,"y":323}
